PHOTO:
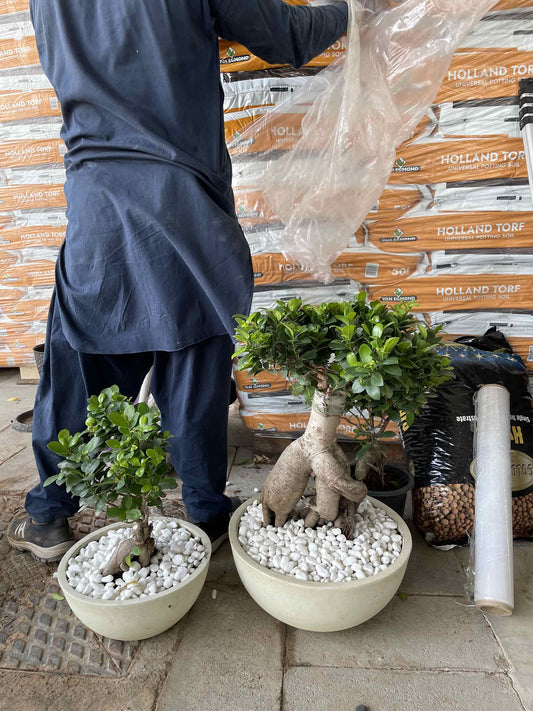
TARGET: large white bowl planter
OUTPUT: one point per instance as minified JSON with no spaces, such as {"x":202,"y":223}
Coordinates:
{"x":137,"y":618}
{"x":316,"y":606}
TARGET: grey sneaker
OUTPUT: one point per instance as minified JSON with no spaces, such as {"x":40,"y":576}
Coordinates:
{"x":47,"y":541}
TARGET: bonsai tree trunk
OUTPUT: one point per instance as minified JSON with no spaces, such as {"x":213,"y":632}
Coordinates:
{"x":316,"y":453}
{"x":141,"y":545}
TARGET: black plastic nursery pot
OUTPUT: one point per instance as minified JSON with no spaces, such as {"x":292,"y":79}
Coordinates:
{"x":395,"y":498}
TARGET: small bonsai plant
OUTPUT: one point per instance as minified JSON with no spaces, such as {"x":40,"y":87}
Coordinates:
{"x":117,"y":462}
{"x":376,"y":360}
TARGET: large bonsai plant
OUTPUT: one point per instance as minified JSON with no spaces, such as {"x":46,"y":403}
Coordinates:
{"x":377,"y":363}
{"x":117,"y":462}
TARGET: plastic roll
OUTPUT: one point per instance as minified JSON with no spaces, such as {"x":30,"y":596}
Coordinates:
{"x":493,"y":528}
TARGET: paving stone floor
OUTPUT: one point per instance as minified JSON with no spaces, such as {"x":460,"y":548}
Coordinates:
{"x":429,"y":649}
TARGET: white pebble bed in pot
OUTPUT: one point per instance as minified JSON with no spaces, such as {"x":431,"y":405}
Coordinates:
{"x":177,"y":554}
{"x":323,"y":554}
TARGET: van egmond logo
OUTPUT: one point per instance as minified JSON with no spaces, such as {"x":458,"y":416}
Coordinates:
{"x":231,"y":52}
{"x":398,"y":292}
{"x":400,"y":162}
{"x":397,"y":232}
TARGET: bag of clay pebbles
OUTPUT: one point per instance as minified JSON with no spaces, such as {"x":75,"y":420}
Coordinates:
{"x":440,"y":441}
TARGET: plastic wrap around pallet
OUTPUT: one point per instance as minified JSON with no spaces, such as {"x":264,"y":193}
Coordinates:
{"x":349,"y":133}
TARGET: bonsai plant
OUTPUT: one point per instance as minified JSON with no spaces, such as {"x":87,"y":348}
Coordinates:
{"x":377,"y":362}
{"x":118,"y":462}
{"x":157,"y":565}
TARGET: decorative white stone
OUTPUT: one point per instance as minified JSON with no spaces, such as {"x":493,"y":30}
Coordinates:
{"x":322,"y":554}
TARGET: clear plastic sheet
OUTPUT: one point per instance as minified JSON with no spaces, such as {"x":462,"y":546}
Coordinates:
{"x":340,"y":145}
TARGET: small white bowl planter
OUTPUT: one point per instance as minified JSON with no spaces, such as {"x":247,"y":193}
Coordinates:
{"x":319,"y":606}
{"x":138,"y":618}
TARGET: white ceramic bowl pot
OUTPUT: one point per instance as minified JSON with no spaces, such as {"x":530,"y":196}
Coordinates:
{"x":136,"y":618}
{"x":320,"y":606}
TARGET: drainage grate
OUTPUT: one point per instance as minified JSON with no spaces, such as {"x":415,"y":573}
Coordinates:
{"x":39,"y":633}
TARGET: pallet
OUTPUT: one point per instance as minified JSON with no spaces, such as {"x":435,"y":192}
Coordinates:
{"x":28,"y":375}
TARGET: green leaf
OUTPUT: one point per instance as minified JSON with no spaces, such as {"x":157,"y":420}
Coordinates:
{"x":52,"y":479}
{"x":115,"y":512}
{"x":377,"y":331}
{"x":168,"y":483}
{"x":365,"y":353}
{"x":118,"y":419}
{"x":373,"y":391}
{"x":351,"y":359}
{"x":64,"y":437}
{"x":58,"y":448}
{"x":362,"y":451}
{"x":376,"y":379}
{"x":127,"y":560}
{"x":389,"y":344}
{"x":136,"y":550}
{"x":57,"y":596}
{"x":134,"y":515}
{"x":387,"y":435}
{"x":127,"y":502}
{"x":358,"y":387}
{"x":113,"y":443}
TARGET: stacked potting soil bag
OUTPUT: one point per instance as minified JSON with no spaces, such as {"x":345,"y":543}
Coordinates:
{"x":32,"y":202}
{"x":440,"y":442}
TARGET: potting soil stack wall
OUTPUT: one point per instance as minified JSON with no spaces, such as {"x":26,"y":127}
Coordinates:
{"x":32,"y":203}
{"x":452,"y":230}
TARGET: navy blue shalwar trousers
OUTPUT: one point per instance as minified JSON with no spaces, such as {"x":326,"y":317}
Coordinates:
{"x":191,"y":387}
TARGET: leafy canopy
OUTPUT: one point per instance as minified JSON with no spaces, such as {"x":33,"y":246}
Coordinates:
{"x":120,"y":454}
{"x":382,"y":357}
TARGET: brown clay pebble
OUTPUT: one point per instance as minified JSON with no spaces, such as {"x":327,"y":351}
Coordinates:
{"x":445,"y":513}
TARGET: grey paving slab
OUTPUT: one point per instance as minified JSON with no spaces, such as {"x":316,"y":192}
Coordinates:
{"x":9,"y":450}
{"x":238,"y":434}
{"x":25,"y":395}
{"x":229,"y":657}
{"x":222,"y":570}
{"x":418,"y":633}
{"x":431,"y":571}
{"x":244,"y":477}
{"x":515,"y":633}
{"x":19,"y":473}
{"x":344,"y":689}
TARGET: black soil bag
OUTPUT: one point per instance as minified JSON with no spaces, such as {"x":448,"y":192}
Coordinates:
{"x":440,"y":442}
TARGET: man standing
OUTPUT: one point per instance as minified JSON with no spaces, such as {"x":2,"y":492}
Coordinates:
{"x":155,"y":264}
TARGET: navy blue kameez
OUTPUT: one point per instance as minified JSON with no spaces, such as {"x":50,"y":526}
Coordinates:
{"x":154,"y":258}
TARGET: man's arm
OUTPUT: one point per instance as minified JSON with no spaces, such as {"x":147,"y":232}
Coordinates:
{"x":277,"y":32}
